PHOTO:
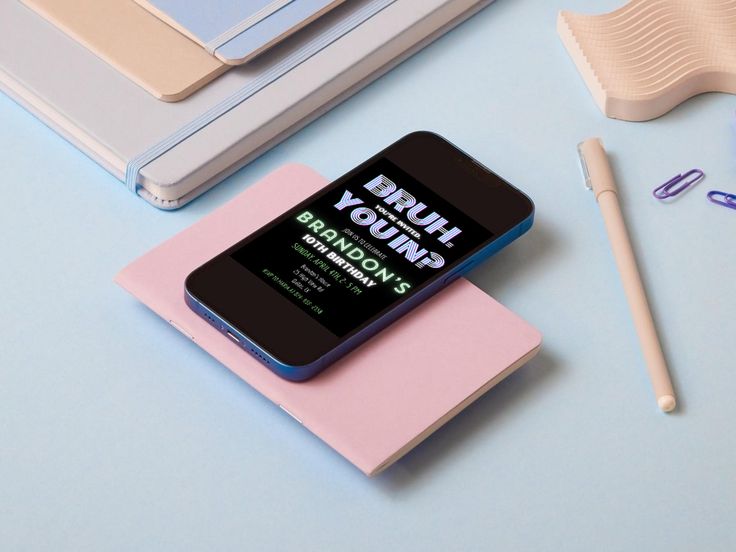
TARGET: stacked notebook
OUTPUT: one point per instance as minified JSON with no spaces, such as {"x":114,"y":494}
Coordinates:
{"x":172,"y":96}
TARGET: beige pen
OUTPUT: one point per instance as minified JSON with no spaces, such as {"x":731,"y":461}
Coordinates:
{"x":599,"y":178}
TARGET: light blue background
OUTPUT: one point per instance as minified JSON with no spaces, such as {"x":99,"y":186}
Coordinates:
{"x":116,"y":433}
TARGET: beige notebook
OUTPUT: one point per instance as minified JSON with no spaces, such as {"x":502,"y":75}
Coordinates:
{"x":139,"y":45}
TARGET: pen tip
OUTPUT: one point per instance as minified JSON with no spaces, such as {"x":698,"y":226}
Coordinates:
{"x":666,"y":403}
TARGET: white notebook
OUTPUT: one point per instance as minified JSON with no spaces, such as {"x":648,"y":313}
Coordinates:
{"x":117,"y":123}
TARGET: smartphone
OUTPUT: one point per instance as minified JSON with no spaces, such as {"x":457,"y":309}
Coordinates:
{"x":319,"y":280}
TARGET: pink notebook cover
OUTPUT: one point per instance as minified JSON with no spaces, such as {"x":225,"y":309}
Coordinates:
{"x":386,"y":397}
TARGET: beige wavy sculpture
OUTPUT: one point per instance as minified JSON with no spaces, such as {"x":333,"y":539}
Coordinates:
{"x":646,"y":58}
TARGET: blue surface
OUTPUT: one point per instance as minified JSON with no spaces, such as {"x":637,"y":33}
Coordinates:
{"x":119,"y":434}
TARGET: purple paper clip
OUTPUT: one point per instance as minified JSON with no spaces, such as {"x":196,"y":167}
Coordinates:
{"x":722,"y":198}
{"x":678,"y":184}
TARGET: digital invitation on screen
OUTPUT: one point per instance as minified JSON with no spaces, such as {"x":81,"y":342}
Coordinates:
{"x":362,"y":247}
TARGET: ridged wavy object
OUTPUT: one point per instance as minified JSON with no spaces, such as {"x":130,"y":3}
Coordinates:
{"x":646,"y":58}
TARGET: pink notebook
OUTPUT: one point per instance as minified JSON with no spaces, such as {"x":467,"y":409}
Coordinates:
{"x":383,"y":399}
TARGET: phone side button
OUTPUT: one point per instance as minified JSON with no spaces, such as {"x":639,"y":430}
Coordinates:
{"x":290,"y":414}
{"x":452,"y":277}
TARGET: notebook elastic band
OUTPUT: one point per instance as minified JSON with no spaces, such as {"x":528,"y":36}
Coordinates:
{"x":245,"y":24}
{"x":314,"y":46}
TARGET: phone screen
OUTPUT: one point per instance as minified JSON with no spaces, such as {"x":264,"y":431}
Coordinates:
{"x":361,"y":247}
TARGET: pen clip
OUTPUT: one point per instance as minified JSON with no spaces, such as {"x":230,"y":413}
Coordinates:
{"x":584,"y":167}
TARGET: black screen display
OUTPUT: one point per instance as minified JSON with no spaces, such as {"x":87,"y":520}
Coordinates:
{"x":361,"y":247}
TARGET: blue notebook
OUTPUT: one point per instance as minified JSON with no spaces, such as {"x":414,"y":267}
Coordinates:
{"x":238,"y":30}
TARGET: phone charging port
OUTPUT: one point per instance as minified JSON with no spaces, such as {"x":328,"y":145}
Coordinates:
{"x":232,"y":336}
